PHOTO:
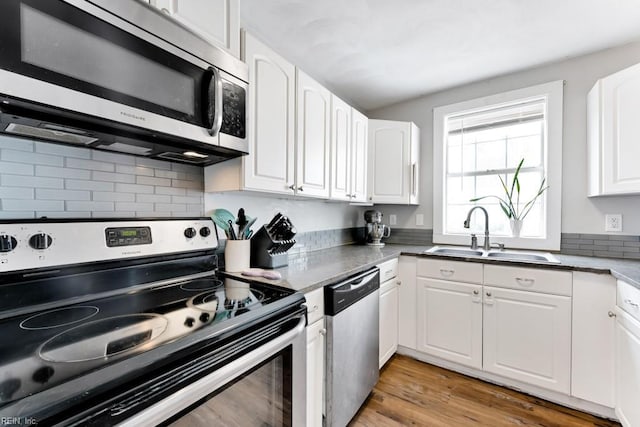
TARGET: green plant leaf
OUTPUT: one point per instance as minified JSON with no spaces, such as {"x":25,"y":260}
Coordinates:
{"x":505,"y":209}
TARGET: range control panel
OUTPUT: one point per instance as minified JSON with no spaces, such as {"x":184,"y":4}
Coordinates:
{"x":48,"y":243}
{"x":127,"y":236}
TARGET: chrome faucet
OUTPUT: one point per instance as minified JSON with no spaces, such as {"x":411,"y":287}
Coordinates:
{"x":467,"y":222}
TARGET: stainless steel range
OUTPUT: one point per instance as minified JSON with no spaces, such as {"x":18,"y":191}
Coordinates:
{"x":128,"y":322}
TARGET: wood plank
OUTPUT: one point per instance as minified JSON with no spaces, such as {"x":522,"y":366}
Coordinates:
{"x":413,"y":393}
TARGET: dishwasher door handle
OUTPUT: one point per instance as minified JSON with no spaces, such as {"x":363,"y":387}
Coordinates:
{"x":355,"y":283}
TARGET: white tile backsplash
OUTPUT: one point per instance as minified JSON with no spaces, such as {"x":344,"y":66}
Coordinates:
{"x":42,"y":179}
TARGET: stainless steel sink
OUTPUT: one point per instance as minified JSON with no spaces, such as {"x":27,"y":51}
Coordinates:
{"x":455,"y":251}
{"x":505,"y":255}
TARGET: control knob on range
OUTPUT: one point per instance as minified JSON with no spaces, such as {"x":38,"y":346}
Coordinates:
{"x":40,"y":241}
{"x":205,"y":231}
{"x":204,"y":317}
{"x":7,"y":243}
{"x":190,"y":232}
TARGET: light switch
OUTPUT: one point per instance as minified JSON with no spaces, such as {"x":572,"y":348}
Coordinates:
{"x":419,"y":219}
{"x":393,"y":219}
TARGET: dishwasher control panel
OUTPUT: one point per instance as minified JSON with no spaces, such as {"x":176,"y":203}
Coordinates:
{"x":344,"y":294}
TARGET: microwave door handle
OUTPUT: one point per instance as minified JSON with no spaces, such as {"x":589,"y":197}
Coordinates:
{"x":212,"y":111}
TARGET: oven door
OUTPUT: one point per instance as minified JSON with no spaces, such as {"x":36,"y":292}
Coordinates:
{"x":75,"y":56}
{"x":265,"y":386}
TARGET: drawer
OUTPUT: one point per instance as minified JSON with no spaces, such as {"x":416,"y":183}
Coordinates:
{"x":388,"y":286}
{"x":529,"y":279}
{"x":458,"y":271}
{"x":628,"y":299}
{"x":315,"y":305}
{"x":388,"y":270}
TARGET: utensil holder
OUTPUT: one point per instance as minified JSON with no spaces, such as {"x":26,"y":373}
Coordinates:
{"x":237,"y":255}
{"x":269,"y":252}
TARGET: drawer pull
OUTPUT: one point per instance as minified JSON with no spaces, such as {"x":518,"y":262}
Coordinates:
{"x":312,"y":309}
{"x":488,"y":294}
{"x":631,"y":303}
{"x":476,"y":292}
{"x":446,"y":272}
{"x":323,"y":331}
{"x":611,"y":314}
{"x":523,"y":281}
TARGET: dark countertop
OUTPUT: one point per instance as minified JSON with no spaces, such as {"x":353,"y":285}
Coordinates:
{"x":313,"y":270}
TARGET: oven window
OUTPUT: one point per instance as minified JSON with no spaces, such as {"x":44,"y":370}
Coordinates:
{"x":261,"y":397}
{"x":54,"y":45}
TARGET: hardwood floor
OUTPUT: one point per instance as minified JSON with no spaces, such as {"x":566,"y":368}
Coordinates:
{"x":412,"y":393}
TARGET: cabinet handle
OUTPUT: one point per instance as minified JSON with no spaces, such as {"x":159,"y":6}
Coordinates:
{"x":488,"y":294}
{"x":631,"y":303}
{"x":413,"y":179}
{"x":399,"y":282}
{"x":611,"y":314}
{"x":323,"y":331}
{"x":300,"y":189}
{"x":524,"y":281}
{"x":292,"y":187}
{"x":476,"y":292}
{"x":311,"y":310}
{"x":446,"y":272}
{"x":165,"y":11}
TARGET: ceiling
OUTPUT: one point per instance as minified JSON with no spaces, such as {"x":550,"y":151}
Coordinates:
{"x":379,"y":52}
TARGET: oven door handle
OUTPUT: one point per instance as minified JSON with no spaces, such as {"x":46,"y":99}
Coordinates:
{"x":192,"y":393}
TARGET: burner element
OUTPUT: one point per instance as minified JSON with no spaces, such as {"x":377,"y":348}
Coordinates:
{"x":103,"y":338}
{"x":201,"y":285}
{"x":59,"y":317}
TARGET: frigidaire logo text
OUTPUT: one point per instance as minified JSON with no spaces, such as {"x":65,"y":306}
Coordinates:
{"x":133,"y":116}
{"x":132,"y":253}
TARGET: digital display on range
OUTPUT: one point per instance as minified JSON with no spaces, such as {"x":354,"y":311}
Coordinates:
{"x":128,"y":236}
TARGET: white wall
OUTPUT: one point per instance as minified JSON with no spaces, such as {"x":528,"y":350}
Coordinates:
{"x":306,"y":215}
{"x":579,"y":213}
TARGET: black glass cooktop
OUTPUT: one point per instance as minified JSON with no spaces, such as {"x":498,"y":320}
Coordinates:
{"x":49,"y":347}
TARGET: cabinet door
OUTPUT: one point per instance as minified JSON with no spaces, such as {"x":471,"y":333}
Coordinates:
{"x":527,"y":337}
{"x":340,"y":149}
{"x":389,"y":161}
{"x":269,"y":166}
{"x":414,"y":174}
{"x":450,"y":321}
{"x":217,"y":21}
{"x":620,"y":131}
{"x":359,"y":149}
{"x":388,"y":321}
{"x":592,"y":338}
{"x":407,"y":302}
{"x":315,"y":373}
{"x":313,"y":137}
{"x":627,"y":369}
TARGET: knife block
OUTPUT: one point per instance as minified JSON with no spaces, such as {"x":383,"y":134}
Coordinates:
{"x":269,"y":252}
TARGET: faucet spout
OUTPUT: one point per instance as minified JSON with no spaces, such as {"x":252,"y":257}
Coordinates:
{"x":467,"y":223}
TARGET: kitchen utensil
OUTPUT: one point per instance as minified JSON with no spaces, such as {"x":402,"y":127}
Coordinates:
{"x":242,"y":222}
{"x":232,"y":232}
{"x":221,"y":217}
{"x":247,"y":229}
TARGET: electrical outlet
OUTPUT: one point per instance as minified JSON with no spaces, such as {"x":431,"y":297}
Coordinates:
{"x":419,"y":219}
{"x":613,"y":222}
{"x":393,"y":219}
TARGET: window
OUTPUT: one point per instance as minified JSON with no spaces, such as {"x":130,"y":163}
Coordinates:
{"x":480,"y":141}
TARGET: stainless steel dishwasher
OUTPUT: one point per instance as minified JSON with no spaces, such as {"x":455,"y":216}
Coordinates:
{"x":351,"y":309}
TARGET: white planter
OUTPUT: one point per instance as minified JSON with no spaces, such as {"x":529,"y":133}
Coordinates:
{"x":516,"y":226}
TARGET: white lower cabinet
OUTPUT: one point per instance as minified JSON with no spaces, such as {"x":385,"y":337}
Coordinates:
{"x":450,"y":320}
{"x":315,"y":373}
{"x":527,"y":337}
{"x":627,"y":339}
{"x":407,"y":270}
{"x":315,"y":357}
{"x":593,"y":338}
{"x":388,"y":321}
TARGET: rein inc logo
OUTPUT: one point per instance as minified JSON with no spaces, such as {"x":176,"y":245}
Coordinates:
{"x":18,"y":421}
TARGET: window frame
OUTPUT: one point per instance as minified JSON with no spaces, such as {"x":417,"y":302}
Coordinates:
{"x":553,"y":93}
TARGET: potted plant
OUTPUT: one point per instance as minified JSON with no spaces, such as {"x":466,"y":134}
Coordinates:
{"x":510,"y":202}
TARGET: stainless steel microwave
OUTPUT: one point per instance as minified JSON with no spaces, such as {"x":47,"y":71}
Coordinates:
{"x":118,"y":75}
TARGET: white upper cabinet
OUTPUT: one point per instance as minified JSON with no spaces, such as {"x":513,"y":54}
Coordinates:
{"x":270,"y":164}
{"x":394,"y":150}
{"x":313,"y":137}
{"x":359,"y":150}
{"x":613,"y":134}
{"x":216,"y":21}
{"x":348,"y":152}
{"x":340,"y":149}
